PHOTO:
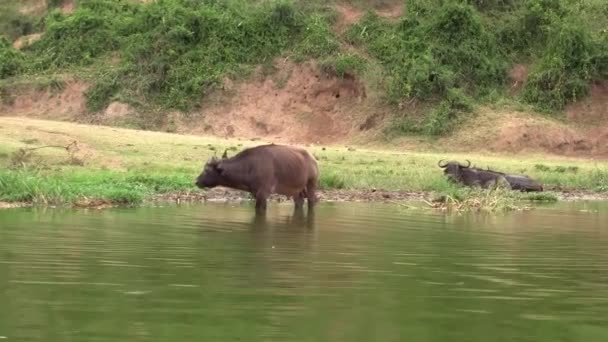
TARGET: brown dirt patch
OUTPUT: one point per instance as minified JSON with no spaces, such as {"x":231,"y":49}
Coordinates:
{"x":530,"y":135}
{"x":117,"y":110}
{"x":391,"y":11}
{"x":68,"y":103}
{"x":68,"y":6}
{"x":25,"y":41}
{"x":518,"y":76}
{"x":298,"y":104}
{"x":348,"y":15}
{"x":593,"y":109}
{"x":36,"y":8}
{"x":39,"y":7}
{"x":516,"y":132}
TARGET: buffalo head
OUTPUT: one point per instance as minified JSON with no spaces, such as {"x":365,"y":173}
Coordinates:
{"x":212,"y":174}
{"x":453,"y":169}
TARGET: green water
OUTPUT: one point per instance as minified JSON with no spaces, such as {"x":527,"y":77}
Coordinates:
{"x":353,"y":272}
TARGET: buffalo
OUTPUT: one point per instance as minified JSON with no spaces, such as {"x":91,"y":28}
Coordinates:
{"x":264,"y":170}
{"x":472,"y":176}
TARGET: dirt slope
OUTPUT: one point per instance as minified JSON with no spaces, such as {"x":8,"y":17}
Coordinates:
{"x":298,"y":104}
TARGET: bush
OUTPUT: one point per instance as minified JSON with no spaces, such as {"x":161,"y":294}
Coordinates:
{"x":11,"y":61}
{"x":563,"y":74}
{"x":448,"y":114}
{"x":440,"y":120}
{"x":440,"y":52}
{"x":173,"y":52}
{"x":318,"y":40}
{"x":100,"y":94}
{"x":75,"y":39}
{"x":432,"y":50}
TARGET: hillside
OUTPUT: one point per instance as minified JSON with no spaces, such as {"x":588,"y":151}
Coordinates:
{"x":499,"y":76}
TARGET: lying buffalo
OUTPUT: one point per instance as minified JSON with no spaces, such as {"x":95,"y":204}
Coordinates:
{"x":264,"y":170}
{"x":472,"y":176}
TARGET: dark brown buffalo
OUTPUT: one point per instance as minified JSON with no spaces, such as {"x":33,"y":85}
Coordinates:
{"x":264,"y":170}
{"x":466,"y":175}
{"x":472,"y":176}
{"x":523,"y":183}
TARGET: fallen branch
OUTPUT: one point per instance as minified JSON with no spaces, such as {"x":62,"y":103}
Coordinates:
{"x":22,"y":155}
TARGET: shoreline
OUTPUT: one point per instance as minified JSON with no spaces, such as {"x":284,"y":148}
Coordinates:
{"x":351,"y":195}
{"x":223,"y":195}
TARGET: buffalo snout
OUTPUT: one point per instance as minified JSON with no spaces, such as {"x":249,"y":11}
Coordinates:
{"x":200,"y":182}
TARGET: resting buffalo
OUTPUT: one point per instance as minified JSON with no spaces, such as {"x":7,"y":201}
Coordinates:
{"x":472,"y":176}
{"x":264,"y":170}
{"x":523,"y":183}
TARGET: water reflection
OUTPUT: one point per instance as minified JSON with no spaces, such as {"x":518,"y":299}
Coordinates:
{"x":298,"y":219}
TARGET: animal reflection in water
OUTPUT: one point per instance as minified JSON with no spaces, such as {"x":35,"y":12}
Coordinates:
{"x":298,"y":219}
{"x":264,"y":170}
{"x":284,"y":234}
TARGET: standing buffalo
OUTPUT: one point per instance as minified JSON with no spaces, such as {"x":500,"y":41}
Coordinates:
{"x":472,"y":176}
{"x":264,"y":170}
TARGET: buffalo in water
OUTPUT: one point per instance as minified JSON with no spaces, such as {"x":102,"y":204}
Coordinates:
{"x":264,"y":170}
{"x":472,"y":176}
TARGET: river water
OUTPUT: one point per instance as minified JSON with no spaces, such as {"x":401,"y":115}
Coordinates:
{"x":351,"y":272}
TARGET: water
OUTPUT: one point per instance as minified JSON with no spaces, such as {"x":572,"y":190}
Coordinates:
{"x":354,"y":272}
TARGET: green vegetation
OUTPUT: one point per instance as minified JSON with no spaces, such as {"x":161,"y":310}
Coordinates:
{"x":496,"y":199}
{"x":127,"y":167}
{"x":443,"y":47}
{"x":343,"y":64}
{"x":448,"y":55}
{"x":11,"y":60}
{"x":173,"y":52}
{"x":59,"y":188}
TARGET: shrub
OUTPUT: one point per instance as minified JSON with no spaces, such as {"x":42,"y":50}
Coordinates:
{"x":11,"y":61}
{"x":437,"y":50}
{"x":75,"y":39}
{"x":564,"y":73}
{"x":318,"y":40}
{"x":173,"y":52}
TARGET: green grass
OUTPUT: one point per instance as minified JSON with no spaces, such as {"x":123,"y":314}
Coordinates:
{"x":68,"y":185}
{"x":128,"y":166}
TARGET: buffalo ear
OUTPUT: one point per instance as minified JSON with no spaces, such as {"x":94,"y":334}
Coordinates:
{"x":219,"y":168}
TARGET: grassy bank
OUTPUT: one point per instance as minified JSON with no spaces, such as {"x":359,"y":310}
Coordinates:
{"x":127,"y":166}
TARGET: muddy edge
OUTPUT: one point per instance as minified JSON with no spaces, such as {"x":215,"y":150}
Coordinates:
{"x":373,"y":195}
{"x":232,"y":196}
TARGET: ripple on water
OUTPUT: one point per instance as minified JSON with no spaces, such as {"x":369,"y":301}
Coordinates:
{"x":354,"y":271}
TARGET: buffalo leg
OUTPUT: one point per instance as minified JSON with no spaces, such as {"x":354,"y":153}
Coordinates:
{"x":298,"y":200}
{"x":260,"y":200}
{"x":311,"y":189}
